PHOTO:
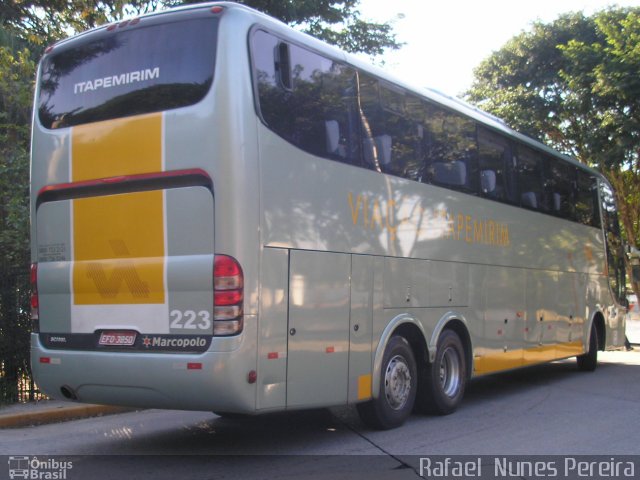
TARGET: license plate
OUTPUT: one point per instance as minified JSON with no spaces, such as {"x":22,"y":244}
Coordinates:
{"x":117,"y":339}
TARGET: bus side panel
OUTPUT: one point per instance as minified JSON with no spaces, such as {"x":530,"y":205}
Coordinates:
{"x":360,"y":329}
{"x":571,"y":307}
{"x":582,"y":313}
{"x":499,"y":291}
{"x":272,"y":336}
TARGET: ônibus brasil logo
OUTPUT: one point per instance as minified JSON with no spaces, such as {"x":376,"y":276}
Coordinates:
{"x":38,"y":469}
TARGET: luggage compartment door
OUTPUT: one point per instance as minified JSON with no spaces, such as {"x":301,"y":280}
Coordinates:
{"x":318,"y":345}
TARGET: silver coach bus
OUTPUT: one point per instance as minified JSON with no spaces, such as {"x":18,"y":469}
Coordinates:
{"x":229,"y":215}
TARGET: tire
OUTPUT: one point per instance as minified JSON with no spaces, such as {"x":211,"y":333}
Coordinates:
{"x":445,"y":378}
{"x":398,"y":385}
{"x":589,"y":361}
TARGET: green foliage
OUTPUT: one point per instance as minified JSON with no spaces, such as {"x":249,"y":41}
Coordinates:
{"x":574,"y":84}
{"x":16,"y":83}
{"x":336,"y":21}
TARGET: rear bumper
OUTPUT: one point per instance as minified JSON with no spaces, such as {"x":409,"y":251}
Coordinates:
{"x":212,"y":381}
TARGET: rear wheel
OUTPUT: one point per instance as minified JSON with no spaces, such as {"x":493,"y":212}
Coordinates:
{"x":589,"y":361}
{"x":446,"y":377}
{"x":397,"y":394}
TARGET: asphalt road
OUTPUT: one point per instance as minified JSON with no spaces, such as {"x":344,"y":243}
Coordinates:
{"x":546,"y":410}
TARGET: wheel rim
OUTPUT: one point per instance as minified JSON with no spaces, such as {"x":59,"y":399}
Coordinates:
{"x":450,"y":372}
{"x":397,"y":382}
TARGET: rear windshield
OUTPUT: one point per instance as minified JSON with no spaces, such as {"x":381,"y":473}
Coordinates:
{"x":135,"y":70}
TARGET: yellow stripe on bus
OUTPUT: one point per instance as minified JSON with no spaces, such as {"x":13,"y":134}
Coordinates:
{"x":118,"y":240}
{"x":364,"y":387}
{"x":497,"y":362}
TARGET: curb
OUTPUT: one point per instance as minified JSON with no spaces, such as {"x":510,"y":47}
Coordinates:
{"x":59,"y":414}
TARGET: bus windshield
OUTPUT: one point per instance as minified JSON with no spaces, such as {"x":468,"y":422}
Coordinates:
{"x":129,"y":71}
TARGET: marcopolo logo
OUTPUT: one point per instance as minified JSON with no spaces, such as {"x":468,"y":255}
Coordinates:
{"x":38,"y":469}
{"x":177,"y":342}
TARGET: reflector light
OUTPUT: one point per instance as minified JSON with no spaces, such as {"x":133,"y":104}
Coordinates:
{"x":45,"y":360}
{"x":111,"y":27}
{"x":252,"y":376}
{"x":223,"y":328}
{"x":228,"y":296}
{"x":194,"y":366}
{"x":34,"y":300}
{"x":217,"y":9}
{"x":228,"y":283}
{"x":228,"y":312}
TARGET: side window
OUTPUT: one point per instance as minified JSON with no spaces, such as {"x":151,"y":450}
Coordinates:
{"x":494,"y":159}
{"x":376,"y":154}
{"x":615,"y":253}
{"x":390,"y":138}
{"x":451,"y":149}
{"x":305,"y":98}
{"x":530,"y":166}
{"x":561,"y":181}
{"x":586,"y":198}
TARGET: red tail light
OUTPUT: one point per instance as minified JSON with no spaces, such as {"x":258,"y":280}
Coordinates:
{"x":228,"y":294}
{"x":35,"y":303}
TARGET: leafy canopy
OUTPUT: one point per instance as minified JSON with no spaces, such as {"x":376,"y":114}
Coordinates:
{"x":338,"y":22}
{"x":574,"y":84}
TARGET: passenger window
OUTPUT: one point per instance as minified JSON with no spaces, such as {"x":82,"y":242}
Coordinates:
{"x":391,"y":140}
{"x":307,"y":99}
{"x":494,"y":156}
{"x":451,"y":149}
{"x":530,"y":179}
{"x":586,"y":198}
{"x":560,"y":186}
{"x":615,"y":252}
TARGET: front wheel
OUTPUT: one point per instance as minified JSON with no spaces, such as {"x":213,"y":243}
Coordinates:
{"x":589,"y":361}
{"x":397,"y":394}
{"x":446,"y":377}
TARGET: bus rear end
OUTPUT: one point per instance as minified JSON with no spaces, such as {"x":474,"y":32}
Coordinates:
{"x":133,"y":303}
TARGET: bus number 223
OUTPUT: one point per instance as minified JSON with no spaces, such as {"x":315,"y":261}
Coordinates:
{"x":190,"y":320}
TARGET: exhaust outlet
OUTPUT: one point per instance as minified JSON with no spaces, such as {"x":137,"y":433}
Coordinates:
{"x":68,"y":392}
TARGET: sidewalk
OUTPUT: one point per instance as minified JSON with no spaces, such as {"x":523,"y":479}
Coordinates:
{"x":51,"y":411}
{"x":633,"y":331}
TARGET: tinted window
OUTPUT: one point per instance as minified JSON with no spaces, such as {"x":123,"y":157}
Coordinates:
{"x":391,"y":139}
{"x":330,"y":110}
{"x":128,"y":72}
{"x":307,"y":99}
{"x":560,"y":187}
{"x":494,"y":160}
{"x":451,"y":149}
{"x":586,"y":200}
{"x":530,"y":168}
{"x":615,"y":253}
